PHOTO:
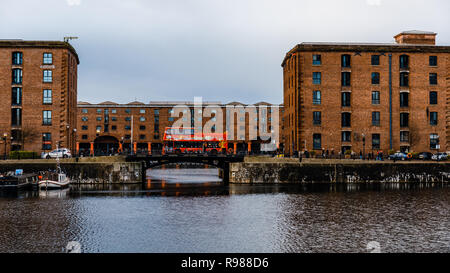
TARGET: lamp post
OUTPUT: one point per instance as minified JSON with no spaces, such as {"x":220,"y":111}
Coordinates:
{"x":4,"y":139}
{"x":364,"y":146}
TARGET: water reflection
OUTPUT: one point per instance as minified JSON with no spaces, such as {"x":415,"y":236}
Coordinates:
{"x":173,"y":212}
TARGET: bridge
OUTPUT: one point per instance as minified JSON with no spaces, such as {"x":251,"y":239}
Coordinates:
{"x":219,"y":161}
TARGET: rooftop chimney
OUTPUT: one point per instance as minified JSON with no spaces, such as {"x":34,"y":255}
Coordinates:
{"x":416,"y":37}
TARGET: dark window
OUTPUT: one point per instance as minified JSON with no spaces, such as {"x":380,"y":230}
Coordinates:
{"x":113,"y":127}
{"x":127,"y":136}
{"x":142,"y":119}
{"x":84,"y":111}
{"x":375,"y":59}
{"x":433,"y":97}
{"x":127,"y":118}
{"x":47,"y":117}
{"x":48,"y":76}
{"x":345,"y":60}
{"x":375,"y":97}
{"x":404,"y":136}
{"x":47,"y":96}
{"x":84,"y":118}
{"x":84,"y":127}
{"x":317,"y":78}
{"x":434,"y":141}
{"x":156,"y":136}
{"x":375,"y":141}
{"x":113,"y":118}
{"x":433,"y":79}
{"x":142,"y":127}
{"x":376,"y":118}
{"x":404,"y":99}
{"x":316,"y":97}
{"x":375,"y":78}
{"x":156,"y":127}
{"x":404,"y":119}
{"x":17,"y":76}
{"x":16,"y":117}
{"x":127,"y":127}
{"x":99,"y":118}
{"x":127,"y":111}
{"x":317,"y":118}
{"x":156,"y":112}
{"x":17,"y":58}
{"x":141,"y":136}
{"x":433,"y":60}
{"x":156,"y":119}
{"x":404,"y":62}
{"x":106,"y":128}
{"x":48,"y":58}
{"x":317,"y":141}
{"x":404,"y":79}
{"x":16,"y":96}
{"x":317,"y":60}
{"x":84,"y":137}
{"x":433,"y":118}
{"x":346,"y":136}
{"x":99,"y":111}
{"x":345,"y":78}
{"x":346,"y":119}
{"x":345,"y":99}
{"x":46,"y":141}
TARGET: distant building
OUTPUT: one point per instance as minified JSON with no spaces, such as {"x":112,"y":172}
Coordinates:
{"x":368,"y":96}
{"x":106,"y":127}
{"x":38,"y":83}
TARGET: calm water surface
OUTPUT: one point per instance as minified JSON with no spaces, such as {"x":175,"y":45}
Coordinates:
{"x":187,"y":210}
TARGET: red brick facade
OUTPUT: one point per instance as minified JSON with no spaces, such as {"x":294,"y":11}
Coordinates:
{"x":404,"y":72}
{"x":41,"y":65}
{"x":107,"y":126}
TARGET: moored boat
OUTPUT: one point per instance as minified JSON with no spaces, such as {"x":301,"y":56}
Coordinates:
{"x":57,"y":180}
{"x":12,"y":181}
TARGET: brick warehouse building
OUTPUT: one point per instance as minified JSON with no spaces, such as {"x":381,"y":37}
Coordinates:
{"x":38,"y":83}
{"x":368,"y":96}
{"x":107,"y":125}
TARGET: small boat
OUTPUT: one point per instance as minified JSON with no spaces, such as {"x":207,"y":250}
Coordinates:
{"x":57,"y":180}
{"x":54,"y":180}
{"x":17,"y":182}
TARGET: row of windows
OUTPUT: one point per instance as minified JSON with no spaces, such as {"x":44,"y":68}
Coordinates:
{"x":375,"y":60}
{"x":17,"y":58}
{"x":17,"y":76}
{"x":114,"y":111}
{"x":346,"y":118}
{"x":141,"y":137}
{"x":346,"y":98}
{"x":16,"y":96}
{"x":375,"y":78}
{"x":16,"y":117}
{"x":376,"y":139}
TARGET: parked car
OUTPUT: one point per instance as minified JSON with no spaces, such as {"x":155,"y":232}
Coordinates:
{"x":425,"y":155}
{"x":398,"y":156}
{"x":439,"y":156}
{"x":62,"y":153}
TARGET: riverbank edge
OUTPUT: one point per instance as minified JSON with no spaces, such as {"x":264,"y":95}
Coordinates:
{"x":339,"y":172}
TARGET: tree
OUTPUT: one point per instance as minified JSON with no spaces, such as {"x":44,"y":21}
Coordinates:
{"x":28,"y":135}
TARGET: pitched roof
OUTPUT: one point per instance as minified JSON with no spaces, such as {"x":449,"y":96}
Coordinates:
{"x":108,"y":102}
{"x":135,"y":103}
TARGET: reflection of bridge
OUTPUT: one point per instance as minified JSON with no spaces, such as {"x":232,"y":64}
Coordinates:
{"x":219,"y":161}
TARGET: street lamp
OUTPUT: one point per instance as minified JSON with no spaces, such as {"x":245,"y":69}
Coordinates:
{"x":364,"y":146}
{"x":4,"y":139}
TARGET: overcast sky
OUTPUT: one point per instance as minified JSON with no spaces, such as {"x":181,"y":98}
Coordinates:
{"x":222,"y":50}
